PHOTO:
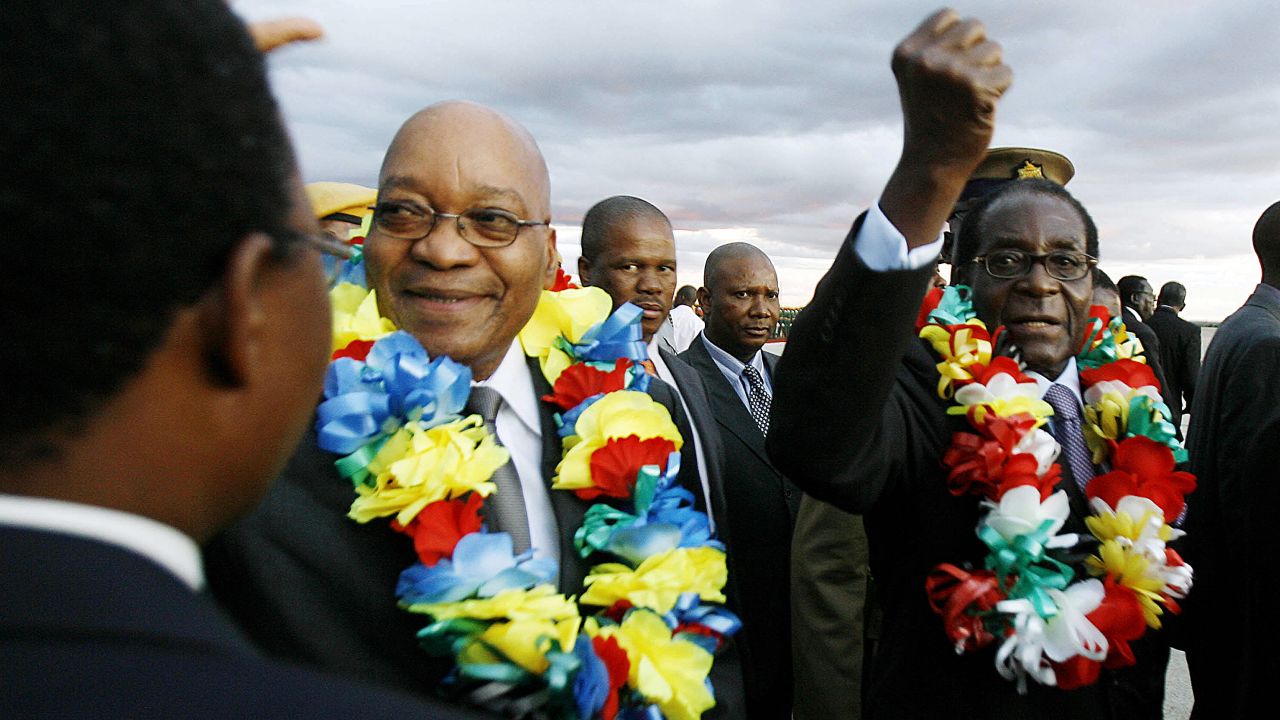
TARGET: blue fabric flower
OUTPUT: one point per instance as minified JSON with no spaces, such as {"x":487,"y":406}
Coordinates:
{"x":483,"y":565}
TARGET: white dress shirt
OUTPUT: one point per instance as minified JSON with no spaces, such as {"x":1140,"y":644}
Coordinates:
{"x":686,"y":325}
{"x":162,"y":544}
{"x":664,"y":373}
{"x":519,"y":428}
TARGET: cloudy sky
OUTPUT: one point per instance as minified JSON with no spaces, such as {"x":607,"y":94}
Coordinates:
{"x":777,"y":122}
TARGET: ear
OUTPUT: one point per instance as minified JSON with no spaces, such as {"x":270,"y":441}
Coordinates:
{"x":231,"y":314}
{"x":553,"y":260}
{"x":584,"y":271}
{"x":704,"y":296}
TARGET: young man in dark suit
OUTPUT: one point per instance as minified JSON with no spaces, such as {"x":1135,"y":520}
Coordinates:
{"x":857,"y":420}
{"x":1138,"y":303}
{"x":1234,"y":439}
{"x":1179,"y":349}
{"x":740,"y":300}
{"x":166,"y":334}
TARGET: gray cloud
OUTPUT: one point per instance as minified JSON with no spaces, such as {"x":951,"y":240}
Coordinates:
{"x":777,"y":122}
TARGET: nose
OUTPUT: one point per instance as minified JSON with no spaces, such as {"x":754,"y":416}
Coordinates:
{"x":647,"y":282}
{"x":443,"y":247}
{"x":762,"y":307}
{"x":1038,"y":281}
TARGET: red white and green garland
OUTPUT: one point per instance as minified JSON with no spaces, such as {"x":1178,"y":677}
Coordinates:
{"x":1051,"y":620}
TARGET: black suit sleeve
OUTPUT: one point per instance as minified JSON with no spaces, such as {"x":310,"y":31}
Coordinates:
{"x":839,"y":425}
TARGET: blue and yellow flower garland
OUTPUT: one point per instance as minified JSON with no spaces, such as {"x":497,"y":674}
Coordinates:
{"x":640,"y":639}
{"x":1052,"y":621}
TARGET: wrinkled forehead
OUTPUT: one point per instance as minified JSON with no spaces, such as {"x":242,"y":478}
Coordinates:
{"x":1035,"y":221}
{"x":447,"y":155}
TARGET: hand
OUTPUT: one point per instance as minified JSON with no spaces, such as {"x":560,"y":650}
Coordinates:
{"x":949,"y":79}
{"x":271,"y":34}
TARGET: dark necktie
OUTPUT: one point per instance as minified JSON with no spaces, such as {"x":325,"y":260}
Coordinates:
{"x":507,"y":504}
{"x":758,"y":399}
{"x":1069,"y":433}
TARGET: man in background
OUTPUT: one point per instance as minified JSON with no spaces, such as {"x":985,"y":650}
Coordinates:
{"x":1234,"y":439}
{"x":740,"y":299}
{"x":1179,"y":349}
{"x":1139,"y":303}
{"x":341,"y":207}
{"x":155,"y":400}
{"x":684,"y":320}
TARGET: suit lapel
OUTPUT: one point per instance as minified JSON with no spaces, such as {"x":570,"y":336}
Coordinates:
{"x":733,"y":415}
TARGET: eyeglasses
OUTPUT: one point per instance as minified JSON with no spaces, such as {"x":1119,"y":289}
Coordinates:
{"x":482,"y":227}
{"x":1060,"y":264}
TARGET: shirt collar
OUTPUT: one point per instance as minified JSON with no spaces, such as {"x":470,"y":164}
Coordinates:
{"x":729,"y":362}
{"x":1268,"y":291}
{"x":514,"y":382}
{"x":164,"y":545}
{"x":1069,"y":378}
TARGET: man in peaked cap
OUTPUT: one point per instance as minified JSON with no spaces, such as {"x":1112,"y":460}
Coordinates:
{"x":340,"y":207}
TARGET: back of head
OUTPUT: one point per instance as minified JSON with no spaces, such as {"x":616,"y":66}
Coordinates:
{"x":613,"y":212}
{"x":1173,"y":294}
{"x":1266,"y":243}
{"x":686,"y":295}
{"x":142,"y":143}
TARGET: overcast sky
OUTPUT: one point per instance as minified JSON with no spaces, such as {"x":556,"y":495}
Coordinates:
{"x":777,"y":122}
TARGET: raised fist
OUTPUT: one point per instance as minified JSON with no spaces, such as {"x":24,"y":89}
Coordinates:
{"x":271,"y":34}
{"x":950,"y":76}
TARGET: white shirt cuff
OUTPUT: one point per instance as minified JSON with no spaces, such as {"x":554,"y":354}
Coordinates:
{"x":881,"y":247}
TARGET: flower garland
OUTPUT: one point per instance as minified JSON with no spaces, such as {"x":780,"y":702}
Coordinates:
{"x":639,"y":641}
{"x":1055,"y":619}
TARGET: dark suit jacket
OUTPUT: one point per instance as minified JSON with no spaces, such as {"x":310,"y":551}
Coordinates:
{"x":1234,"y":440}
{"x":309,"y":584}
{"x":1179,"y":358}
{"x":1151,"y":349}
{"x":857,"y":422}
{"x":760,"y":512}
{"x":89,"y":629}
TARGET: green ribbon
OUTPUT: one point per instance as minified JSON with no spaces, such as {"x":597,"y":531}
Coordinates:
{"x":1106,"y":351}
{"x":354,"y":467}
{"x":1019,"y":558}
{"x":1142,"y":421}
{"x":955,"y":307}
{"x":598,"y":525}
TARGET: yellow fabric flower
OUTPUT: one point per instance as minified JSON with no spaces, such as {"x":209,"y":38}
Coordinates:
{"x":355,"y":315}
{"x":418,"y":466}
{"x":660,"y":579}
{"x":1106,"y":419}
{"x":569,"y":313}
{"x":1109,"y":526}
{"x":669,"y":672}
{"x":524,"y":642}
{"x":1131,"y":569}
{"x":538,"y":603}
{"x":959,"y":350}
{"x":616,"y":415}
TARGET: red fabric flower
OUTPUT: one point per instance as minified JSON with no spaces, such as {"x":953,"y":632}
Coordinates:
{"x":1143,"y":467}
{"x":357,"y":240}
{"x":1101,"y":312}
{"x":1130,"y":372}
{"x":619,"y":667}
{"x":580,"y":381}
{"x":356,"y":350}
{"x":614,"y":466}
{"x":1119,"y":618}
{"x":437,"y":529}
{"x":931,"y":300}
{"x":986,"y":464}
{"x":562,"y":282}
{"x":961,"y":598}
{"x":999,"y":365}
{"x":699,"y":629}
{"x":618,"y":610}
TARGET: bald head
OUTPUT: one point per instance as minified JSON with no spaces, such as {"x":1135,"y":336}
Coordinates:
{"x":459,"y":298}
{"x":1266,"y":243}
{"x":732,"y":254}
{"x":739,"y":298}
{"x":457,"y":132}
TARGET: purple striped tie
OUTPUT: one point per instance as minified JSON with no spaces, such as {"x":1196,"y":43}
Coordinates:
{"x":1068,"y":432}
